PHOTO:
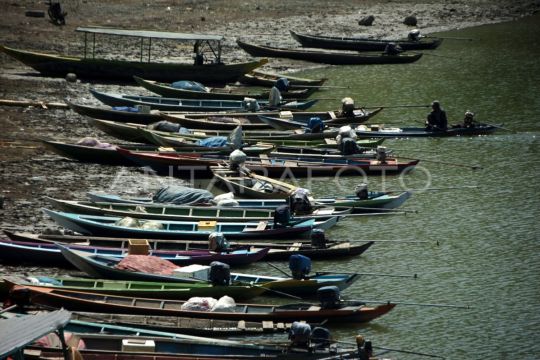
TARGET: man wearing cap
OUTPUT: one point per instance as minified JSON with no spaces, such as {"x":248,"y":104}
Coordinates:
{"x":436,"y":119}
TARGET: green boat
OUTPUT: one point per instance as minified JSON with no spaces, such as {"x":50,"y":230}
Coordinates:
{"x":91,"y":67}
{"x":157,"y":290}
{"x":183,"y":212}
{"x":228,"y":93}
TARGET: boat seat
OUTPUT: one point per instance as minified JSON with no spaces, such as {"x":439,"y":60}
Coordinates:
{"x":314,"y":308}
{"x":264,"y":159}
{"x":330,"y":141}
{"x":261,"y":225}
{"x":295,"y":246}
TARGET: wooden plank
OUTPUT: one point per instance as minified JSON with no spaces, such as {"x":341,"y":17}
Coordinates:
{"x":267,"y":325}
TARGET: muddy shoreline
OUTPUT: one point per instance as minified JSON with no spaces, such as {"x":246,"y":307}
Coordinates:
{"x":30,"y":172}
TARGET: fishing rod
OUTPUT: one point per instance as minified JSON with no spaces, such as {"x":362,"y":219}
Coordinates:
{"x":396,"y":106}
{"x":472,"y":167}
{"x":495,"y":126}
{"x":416,"y":304}
{"x":278,"y":269}
{"x":449,"y":38}
{"x":414,"y":276}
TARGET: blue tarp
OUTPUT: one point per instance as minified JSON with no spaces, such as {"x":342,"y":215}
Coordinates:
{"x":215,"y":141}
{"x":182,"y":195}
{"x":125,"y":108}
{"x":189,"y":85}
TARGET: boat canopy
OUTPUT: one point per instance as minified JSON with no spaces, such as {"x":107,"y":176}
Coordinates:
{"x":200,"y":40}
{"x":17,"y":332}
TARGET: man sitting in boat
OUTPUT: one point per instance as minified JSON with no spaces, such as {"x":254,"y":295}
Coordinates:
{"x":414,"y":35}
{"x":347,"y":107}
{"x":468,"y":121}
{"x":436,"y":119}
{"x":281,"y":85}
{"x":392,"y":49}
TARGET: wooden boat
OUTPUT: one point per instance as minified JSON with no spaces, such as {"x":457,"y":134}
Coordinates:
{"x":97,"y":112}
{"x":347,"y":312}
{"x":49,"y":254}
{"x":173,"y":104}
{"x":109,"y":155}
{"x":375,"y":200}
{"x":361,"y":44}
{"x":229,"y":93}
{"x":103,"y":346}
{"x":92,"y":67}
{"x":360,"y":116}
{"x":263,"y":78}
{"x":199,"y":165}
{"x":161,"y":290}
{"x":379,"y":131}
{"x":104,"y":267}
{"x":184,"y":212}
{"x":262,"y":121}
{"x":252,"y":185}
{"x":279,"y":249}
{"x":105,"y":226}
{"x":186,"y":326}
{"x":284,"y":151}
{"x":327,"y":57}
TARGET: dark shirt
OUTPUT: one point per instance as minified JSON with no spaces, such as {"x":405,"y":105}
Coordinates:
{"x":436,"y":120}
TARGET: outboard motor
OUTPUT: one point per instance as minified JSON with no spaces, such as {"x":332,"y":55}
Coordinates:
{"x":220,"y":273}
{"x":299,"y":202}
{"x":300,"y":334}
{"x":300,"y":266}
{"x":315,"y":125}
{"x":282,"y":216}
{"x":348,"y":146}
{"x":414,"y":35}
{"x":318,"y":239}
{"x":347,"y":107}
{"x":362,"y":191}
{"x":329,"y":297}
{"x":381,"y":154}
{"x":251,"y":104}
{"x":282,"y":84}
{"x":236,"y":159}
{"x":320,"y":337}
{"x":217,"y":242}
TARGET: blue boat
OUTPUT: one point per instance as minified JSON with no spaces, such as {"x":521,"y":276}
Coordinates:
{"x":189,"y":230}
{"x":173,"y":104}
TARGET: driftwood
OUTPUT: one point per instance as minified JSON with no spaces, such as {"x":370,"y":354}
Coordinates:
{"x":41,"y":104}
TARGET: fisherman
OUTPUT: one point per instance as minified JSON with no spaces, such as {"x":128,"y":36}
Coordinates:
{"x":365,"y":348}
{"x":468,"y":121}
{"x":199,"y":57}
{"x":392,"y":49}
{"x":347,"y":107}
{"x":414,"y":35}
{"x":275,"y":98}
{"x":436,"y":119}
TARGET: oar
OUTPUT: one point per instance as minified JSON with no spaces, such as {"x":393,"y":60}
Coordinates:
{"x":9,"y":308}
{"x":277,"y":292}
{"x":473,"y":167}
{"x":414,"y":276}
{"x":416,"y":304}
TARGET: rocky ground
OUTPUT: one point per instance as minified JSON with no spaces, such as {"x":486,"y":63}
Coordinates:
{"x":29,"y":172}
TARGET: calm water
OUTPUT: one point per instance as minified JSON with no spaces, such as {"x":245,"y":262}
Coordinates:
{"x":488,"y":255}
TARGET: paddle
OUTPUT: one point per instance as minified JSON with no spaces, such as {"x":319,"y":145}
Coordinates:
{"x":414,"y":276}
{"x":473,"y":167}
{"x":415,"y":304}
